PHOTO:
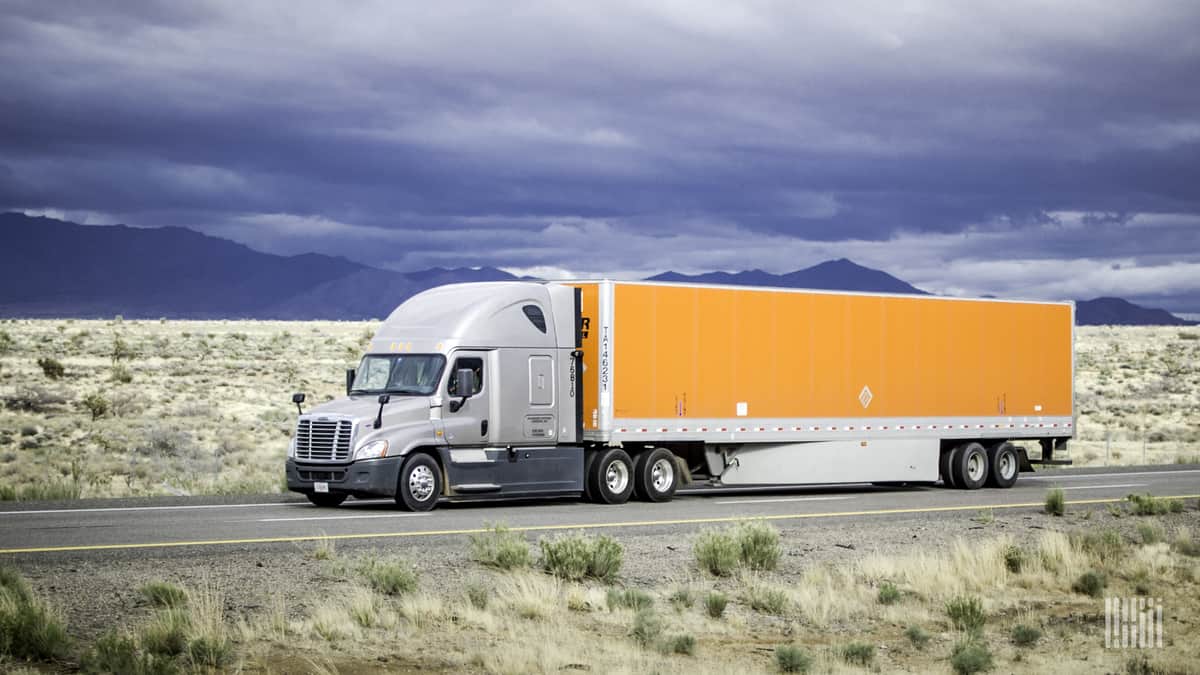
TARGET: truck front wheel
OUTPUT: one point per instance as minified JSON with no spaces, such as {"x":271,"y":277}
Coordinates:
{"x":611,"y":476}
{"x":654,"y":475}
{"x":420,"y":483}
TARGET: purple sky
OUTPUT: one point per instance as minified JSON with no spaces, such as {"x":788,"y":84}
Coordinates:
{"x":1034,"y":150}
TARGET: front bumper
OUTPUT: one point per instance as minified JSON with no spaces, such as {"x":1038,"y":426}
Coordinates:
{"x":371,"y":478}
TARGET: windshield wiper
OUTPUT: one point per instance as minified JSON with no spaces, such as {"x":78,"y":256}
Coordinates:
{"x":407,"y":391}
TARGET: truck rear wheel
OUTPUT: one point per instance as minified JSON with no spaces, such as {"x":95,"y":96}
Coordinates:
{"x":611,"y":476}
{"x":969,"y":466}
{"x":325,"y":498}
{"x":655,"y":477}
{"x":420,"y":483}
{"x":1003,"y":464}
{"x":944,"y":466}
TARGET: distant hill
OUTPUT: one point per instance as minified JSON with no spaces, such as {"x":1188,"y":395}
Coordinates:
{"x":54,"y":268}
{"x":1118,"y":312}
{"x":831,"y":275}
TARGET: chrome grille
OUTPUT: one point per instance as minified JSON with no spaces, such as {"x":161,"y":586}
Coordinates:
{"x":320,"y":440}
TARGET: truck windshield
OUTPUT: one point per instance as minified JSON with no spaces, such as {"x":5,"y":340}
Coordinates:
{"x":414,"y":374}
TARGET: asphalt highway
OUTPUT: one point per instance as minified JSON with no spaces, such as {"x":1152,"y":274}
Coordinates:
{"x":113,"y":526}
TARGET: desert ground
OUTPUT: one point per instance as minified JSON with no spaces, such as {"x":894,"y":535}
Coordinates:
{"x":120,"y":407}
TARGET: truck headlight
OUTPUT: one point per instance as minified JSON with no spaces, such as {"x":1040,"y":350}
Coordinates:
{"x":372,"y":450}
{"x":292,"y":448}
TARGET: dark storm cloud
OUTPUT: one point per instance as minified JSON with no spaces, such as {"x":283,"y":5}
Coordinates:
{"x":961,"y":145}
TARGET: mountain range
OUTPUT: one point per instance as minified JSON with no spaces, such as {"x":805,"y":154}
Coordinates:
{"x":56,"y":268}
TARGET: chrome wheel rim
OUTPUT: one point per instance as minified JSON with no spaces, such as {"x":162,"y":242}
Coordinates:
{"x":616,"y":476}
{"x":975,"y":466}
{"x":1008,"y":465}
{"x":662,"y":475}
{"x":420,"y":483}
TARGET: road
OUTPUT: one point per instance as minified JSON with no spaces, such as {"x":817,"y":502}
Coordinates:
{"x":101,"y":527}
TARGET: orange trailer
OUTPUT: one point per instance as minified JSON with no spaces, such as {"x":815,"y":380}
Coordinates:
{"x":767,"y":385}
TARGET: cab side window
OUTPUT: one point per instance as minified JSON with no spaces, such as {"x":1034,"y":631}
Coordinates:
{"x":473,"y":363}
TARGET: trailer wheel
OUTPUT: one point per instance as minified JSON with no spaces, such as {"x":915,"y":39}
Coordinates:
{"x":1003,"y":464}
{"x":611,"y":476}
{"x":325,"y":498}
{"x":420,"y":483}
{"x":969,"y":466}
{"x":589,"y":459}
{"x":945,"y":466}
{"x":655,"y":475}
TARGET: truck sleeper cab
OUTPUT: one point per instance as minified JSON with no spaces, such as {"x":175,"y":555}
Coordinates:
{"x":612,"y":390}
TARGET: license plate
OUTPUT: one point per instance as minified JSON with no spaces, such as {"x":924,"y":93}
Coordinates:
{"x":320,"y":487}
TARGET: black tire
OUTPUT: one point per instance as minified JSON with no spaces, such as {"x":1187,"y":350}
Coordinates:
{"x":589,"y":458}
{"x":944,"y":466}
{"x":655,"y":475}
{"x":603,"y":490}
{"x":1003,"y":464}
{"x":325,"y":498}
{"x":420,"y":483}
{"x":969,"y":466}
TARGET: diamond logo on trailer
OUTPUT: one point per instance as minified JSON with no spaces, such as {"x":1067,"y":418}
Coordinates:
{"x":865,"y":396}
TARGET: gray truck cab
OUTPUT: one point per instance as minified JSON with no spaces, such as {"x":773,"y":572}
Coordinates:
{"x":467,"y":391}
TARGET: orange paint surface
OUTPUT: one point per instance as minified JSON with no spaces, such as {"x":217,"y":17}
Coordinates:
{"x":685,"y":351}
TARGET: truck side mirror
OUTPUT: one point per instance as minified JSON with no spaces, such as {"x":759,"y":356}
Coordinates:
{"x":298,"y":398}
{"x":350,"y":374}
{"x":384,"y":399}
{"x":464,"y":387}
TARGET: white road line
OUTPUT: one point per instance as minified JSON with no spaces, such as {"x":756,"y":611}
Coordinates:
{"x":782,"y":499}
{"x":287,"y":520}
{"x":1102,"y":476}
{"x":1097,"y":487}
{"x":4,"y":514}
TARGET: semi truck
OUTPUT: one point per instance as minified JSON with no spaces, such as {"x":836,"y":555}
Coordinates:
{"x":610,"y":390}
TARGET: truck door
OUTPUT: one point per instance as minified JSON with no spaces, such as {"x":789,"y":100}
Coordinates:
{"x":469,"y":425}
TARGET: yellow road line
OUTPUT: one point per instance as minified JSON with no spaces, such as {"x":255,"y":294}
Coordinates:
{"x":544,"y":528}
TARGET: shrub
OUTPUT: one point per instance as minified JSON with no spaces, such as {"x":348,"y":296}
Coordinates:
{"x":210,"y":651}
{"x":759,"y":545}
{"x":28,"y":628}
{"x":714,"y":604}
{"x":167,"y":633}
{"x":631,"y":598}
{"x":966,"y":613}
{"x":390,"y":578}
{"x":1150,"y":534}
{"x":1025,"y":636}
{"x":1014,"y":558}
{"x":918,"y":636}
{"x":717,"y":552}
{"x":970,"y":656}
{"x":576,"y":557}
{"x":888,"y":593}
{"x":858,"y":653}
{"x":96,"y":405}
{"x":1107,"y":545}
{"x":680,"y":644}
{"x":646,"y":626}
{"x":766,"y":598}
{"x":51,"y":367}
{"x":682,"y":598}
{"x":1055,"y":502}
{"x":1185,"y":544}
{"x":792,"y":659}
{"x":478,"y":595}
{"x":1149,"y":505}
{"x":113,"y":653}
{"x":121,"y":374}
{"x":7,"y":344}
{"x":163,"y":594}
{"x":121,"y":350}
{"x":501,"y":547}
{"x":1090,"y":583}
